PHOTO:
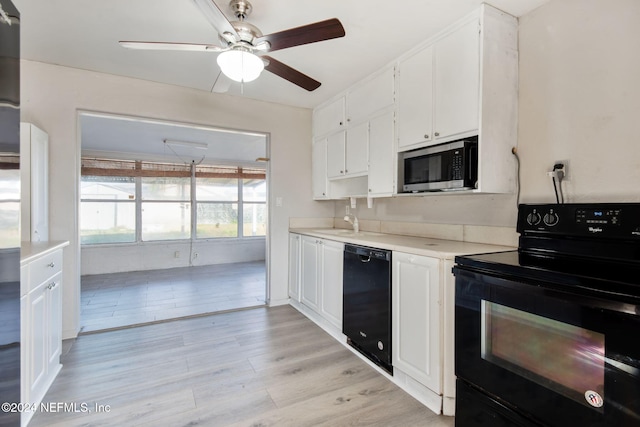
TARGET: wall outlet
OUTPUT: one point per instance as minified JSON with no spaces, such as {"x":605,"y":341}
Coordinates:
{"x":176,"y":254}
{"x":565,"y":164}
{"x":195,"y":255}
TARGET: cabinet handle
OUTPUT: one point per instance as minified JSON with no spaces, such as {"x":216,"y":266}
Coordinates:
{"x":426,"y":136}
{"x":345,"y":171}
{"x":51,"y":264}
{"x":341,"y":171}
{"x":437,"y":133}
{"x":51,"y":285}
{"x":341,"y":123}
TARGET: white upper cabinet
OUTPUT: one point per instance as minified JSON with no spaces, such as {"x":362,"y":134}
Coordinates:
{"x":415,"y":98}
{"x":34,"y":178}
{"x":462,"y":82}
{"x":329,"y":118}
{"x":357,"y":150}
{"x":319,"y":169}
{"x":381,"y":155}
{"x":336,"y":155}
{"x":370,"y":96}
{"x":457,"y":78}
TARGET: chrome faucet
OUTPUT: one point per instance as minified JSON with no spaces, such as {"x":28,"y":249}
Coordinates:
{"x":354,"y":222}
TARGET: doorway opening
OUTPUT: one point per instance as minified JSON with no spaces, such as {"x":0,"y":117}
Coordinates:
{"x":173,"y":220}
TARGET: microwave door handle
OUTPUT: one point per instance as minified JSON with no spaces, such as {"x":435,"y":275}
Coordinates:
{"x":472,"y":166}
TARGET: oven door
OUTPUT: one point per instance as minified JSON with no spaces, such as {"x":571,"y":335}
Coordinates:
{"x":560,"y":358}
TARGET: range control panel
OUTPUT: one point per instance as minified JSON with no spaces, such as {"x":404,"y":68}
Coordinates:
{"x":600,"y":220}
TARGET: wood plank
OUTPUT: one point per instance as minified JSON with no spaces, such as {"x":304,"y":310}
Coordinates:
{"x":267,"y":366}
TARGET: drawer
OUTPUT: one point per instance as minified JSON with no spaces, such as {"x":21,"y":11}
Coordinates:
{"x":44,"y":267}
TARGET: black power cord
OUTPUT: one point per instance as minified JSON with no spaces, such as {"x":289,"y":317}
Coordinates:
{"x":558,"y":171}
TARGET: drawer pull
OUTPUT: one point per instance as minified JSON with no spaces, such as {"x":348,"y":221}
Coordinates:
{"x":51,"y":264}
{"x":52,"y":285}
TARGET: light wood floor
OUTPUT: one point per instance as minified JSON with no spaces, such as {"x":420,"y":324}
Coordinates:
{"x":260,"y":367}
{"x":122,"y":299}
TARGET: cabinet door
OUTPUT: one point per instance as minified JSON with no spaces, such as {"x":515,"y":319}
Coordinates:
{"x":381,"y":155}
{"x":357,"y":150}
{"x":416,"y":318}
{"x":319,"y":169}
{"x":54,"y":309}
{"x":309,"y":272}
{"x":336,"y":155}
{"x":370,"y":96}
{"x":457,"y":81}
{"x":415,"y":99}
{"x":38,"y":337}
{"x":39,"y":185}
{"x":294,"y":266}
{"x":331,"y":293}
{"x":329,"y":117}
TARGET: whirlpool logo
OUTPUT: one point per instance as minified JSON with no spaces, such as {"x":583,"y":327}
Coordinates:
{"x":595,"y":229}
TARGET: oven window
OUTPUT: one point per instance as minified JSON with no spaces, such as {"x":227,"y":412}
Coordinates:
{"x":562,"y":357}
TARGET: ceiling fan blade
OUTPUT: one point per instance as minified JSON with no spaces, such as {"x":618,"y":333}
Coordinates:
{"x":215,"y":17}
{"x":317,"y":32}
{"x":294,"y":76}
{"x":222,"y":84}
{"x":170,"y":46}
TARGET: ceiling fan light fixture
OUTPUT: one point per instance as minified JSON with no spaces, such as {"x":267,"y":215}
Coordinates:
{"x":240,"y":65}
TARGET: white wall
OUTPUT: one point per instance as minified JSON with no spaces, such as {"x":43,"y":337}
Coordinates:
{"x":51,"y":97}
{"x":101,"y":259}
{"x":579,"y":101}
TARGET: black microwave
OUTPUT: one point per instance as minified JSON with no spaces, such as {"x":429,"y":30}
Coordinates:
{"x":449,"y":166}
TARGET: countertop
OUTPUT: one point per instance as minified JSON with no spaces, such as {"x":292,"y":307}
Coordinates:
{"x":436,"y":248}
{"x":31,"y":250}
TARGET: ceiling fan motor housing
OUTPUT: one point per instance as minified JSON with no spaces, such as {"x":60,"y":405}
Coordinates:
{"x":240,"y":8}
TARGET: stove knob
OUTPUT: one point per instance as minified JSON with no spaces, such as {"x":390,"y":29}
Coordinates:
{"x":551,"y":219}
{"x":533,"y":218}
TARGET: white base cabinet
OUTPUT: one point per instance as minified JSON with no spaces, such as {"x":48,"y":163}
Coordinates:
{"x":295,"y":241}
{"x":416,"y":318}
{"x":321,"y":265}
{"x":41,"y":326}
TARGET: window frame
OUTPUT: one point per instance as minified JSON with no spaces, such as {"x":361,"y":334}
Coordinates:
{"x":136,"y":169}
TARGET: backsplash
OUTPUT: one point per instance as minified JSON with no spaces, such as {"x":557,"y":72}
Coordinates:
{"x":506,"y":236}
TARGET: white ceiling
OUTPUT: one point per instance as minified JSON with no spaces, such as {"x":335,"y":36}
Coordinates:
{"x":85,"y":33}
{"x":113,"y":137}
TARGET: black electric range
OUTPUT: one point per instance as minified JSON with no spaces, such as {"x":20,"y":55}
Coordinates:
{"x":544,"y":333}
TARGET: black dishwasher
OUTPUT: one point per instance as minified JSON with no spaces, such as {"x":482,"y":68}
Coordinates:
{"x":366,"y":308}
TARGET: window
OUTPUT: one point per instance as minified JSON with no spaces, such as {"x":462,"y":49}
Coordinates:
{"x":10,"y":206}
{"x":108,"y":209}
{"x":217,"y":200}
{"x":254,"y":210}
{"x":166,"y":213}
{"x":125,"y":202}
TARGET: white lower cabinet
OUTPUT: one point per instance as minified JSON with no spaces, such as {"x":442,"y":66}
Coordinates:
{"x":416,"y":318}
{"x":331,"y":285}
{"x":295,"y":241}
{"x":41,"y":326}
{"x":321,"y":263}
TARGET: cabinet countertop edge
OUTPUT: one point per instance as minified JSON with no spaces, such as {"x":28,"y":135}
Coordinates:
{"x":32,"y":250}
{"x":431,"y":247}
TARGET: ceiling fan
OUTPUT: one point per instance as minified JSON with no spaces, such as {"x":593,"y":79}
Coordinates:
{"x":242,"y":54}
